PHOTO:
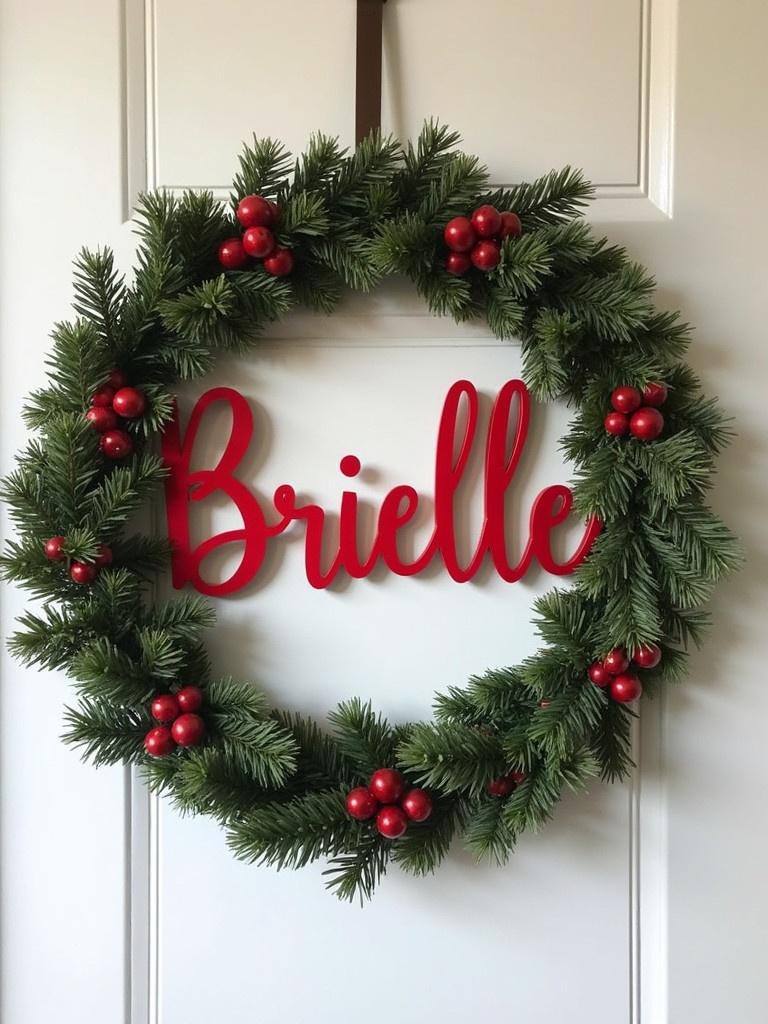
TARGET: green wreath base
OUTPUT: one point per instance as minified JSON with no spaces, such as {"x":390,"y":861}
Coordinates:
{"x":583,"y":314}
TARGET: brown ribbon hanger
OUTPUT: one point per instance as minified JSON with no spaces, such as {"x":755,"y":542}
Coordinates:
{"x":368,"y":68}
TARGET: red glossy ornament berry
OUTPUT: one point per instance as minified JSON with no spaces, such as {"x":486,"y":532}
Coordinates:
{"x":158,"y":742}
{"x":654,"y":394}
{"x":517,"y":777}
{"x":486,"y":221}
{"x":165,"y":708}
{"x":258,"y":242}
{"x":647,"y":655}
{"x":255,"y":211}
{"x":459,"y":235}
{"x":626,"y":687}
{"x":457,"y":263}
{"x":485,"y":255}
{"x":625,"y":399}
{"x":391,"y":822}
{"x":276,"y":212}
{"x":646,"y":424}
{"x":101,"y":418}
{"x":232,"y":255}
{"x":83,"y":572}
{"x":616,"y":423}
{"x":188,"y":730}
{"x":130,"y":403}
{"x":616,"y":661}
{"x":361,"y":804}
{"x":511,"y":225}
{"x":116,"y":444}
{"x":104,"y":556}
{"x":502,"y":786}
{"x":417,"y":804}
{"x":387,"y":785}
{"x":599,"y":674}
{"x":190,"y":698}
{"x":279,"y":263}
{"x":103,"y":396}
{"x":117,"y":379}
{"x":54,"y":548}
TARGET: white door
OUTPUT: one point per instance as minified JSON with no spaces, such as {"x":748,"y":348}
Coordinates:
{"x":641,"y":904}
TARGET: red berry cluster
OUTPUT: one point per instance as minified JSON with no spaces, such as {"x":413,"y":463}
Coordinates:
{"x":110,"y":404}
{"x":613,"y":671}
{"x":386,"y":797}
{"x":476,"y":241}
{"x":180,"y":725}
{"x":505,"y":784}
{"x":636,"y":412}
{"x":257,"y":216}
{"x":79,"y":572}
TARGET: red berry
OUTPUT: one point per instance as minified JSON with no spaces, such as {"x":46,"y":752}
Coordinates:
{"x":104,"y":556}
{"x":647,"y":423}
{"x":616,"y":423}
{"x":457,"y":263}
{"x":417,"y":804}
{"x":54,"y":548}
{"x":158,"y":742}
{"x":391,"y":822}
{"x":103,"y":396}
{"x":165,"y":708}
{"x":459,"y":235}
{"x":258,"y":242}
{"x":511,"y":225}
{"x":647,"y":655}
{"x":188,"y":730}
{"x":517,"y":777}
{"x":117,"y":379}
{"x":626,"y":687}
{"x":190,"y":698}
{"x":654,"y":394}
{"x":116,"y":444}
{"x":599,"y":674}
{"x":279,"y":263}
{"x":101,"y":418}
{"x":485,"y":255}
{"x":276,"y":212}
{"x":502,"y":786}
{"x":387,"y":785}
{"x":255,"y":211}
{"x":129,"y":403}
{"x":616,"y":661}
{"x":361,"y":803}
{"x":486,"y":221}
{"x":83,"y":572}
{"x":232,"y":255}
{"x":625,"y":399}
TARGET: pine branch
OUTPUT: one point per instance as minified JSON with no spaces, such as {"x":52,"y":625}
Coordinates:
{"x":554,"y":197}
{"x":293,"y":834}
{"x":357,"y":872}
{"x":452,"y":758}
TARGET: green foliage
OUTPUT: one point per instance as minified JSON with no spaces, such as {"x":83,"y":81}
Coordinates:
{"x":451,"y":757}
{"x":583,"y":313}
{"x":555,"y":197}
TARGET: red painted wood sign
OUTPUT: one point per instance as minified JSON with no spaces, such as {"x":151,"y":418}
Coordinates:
{"x":455,"y":440}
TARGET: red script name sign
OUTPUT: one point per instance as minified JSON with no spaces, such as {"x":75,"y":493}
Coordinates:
{"x":455,"y":438}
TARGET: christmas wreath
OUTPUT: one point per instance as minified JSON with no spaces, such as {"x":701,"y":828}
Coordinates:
{"x":210,"y":278}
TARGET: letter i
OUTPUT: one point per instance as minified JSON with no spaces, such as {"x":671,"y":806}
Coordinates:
{"x":350,"y":559}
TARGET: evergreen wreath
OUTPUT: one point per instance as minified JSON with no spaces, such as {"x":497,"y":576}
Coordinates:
{"x":500,"y":751}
